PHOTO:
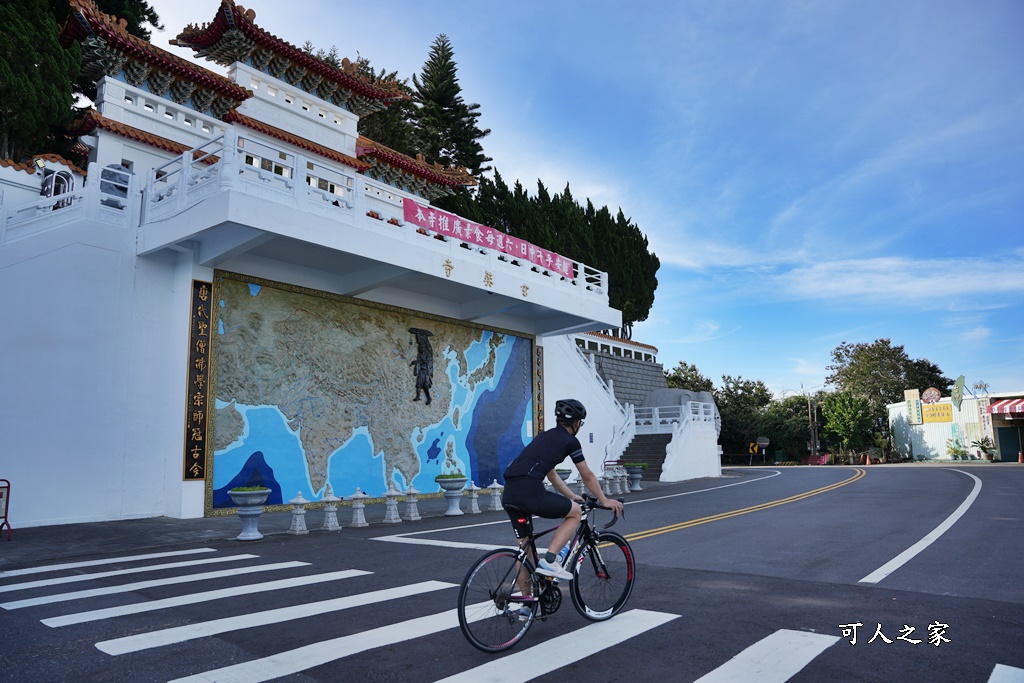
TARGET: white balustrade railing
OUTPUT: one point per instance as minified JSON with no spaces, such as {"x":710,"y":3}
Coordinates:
{"x":107,"y":201}
{"x":243,"y":163}
{"x":673,"y":419}
{"x":623,"y":435}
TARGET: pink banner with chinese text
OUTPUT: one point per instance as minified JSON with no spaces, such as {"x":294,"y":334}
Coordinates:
{"x":459,"y":228}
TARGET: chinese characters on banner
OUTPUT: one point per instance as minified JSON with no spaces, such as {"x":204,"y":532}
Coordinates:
{"x":474,"y":233}
{"x":197,"y":391}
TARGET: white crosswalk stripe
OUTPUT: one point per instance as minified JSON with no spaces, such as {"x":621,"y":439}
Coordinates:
{"x":564,"y":650}
{"x":316,"y":654}
{"x":205,"y":596}
{"x":140,"y":585}
{"x":774,"y":659}
{"x":96,"y":563}
{"x":143,"y":641}
{"x":42,"y":583}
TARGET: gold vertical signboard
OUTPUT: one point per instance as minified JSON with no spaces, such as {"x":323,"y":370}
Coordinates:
{"x":197,"y":391}
{"x":913,"y":399}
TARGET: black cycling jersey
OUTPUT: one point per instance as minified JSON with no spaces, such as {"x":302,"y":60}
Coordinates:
{"x":544,"y":453}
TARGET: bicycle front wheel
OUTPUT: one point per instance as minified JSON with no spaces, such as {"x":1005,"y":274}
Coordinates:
{"x":603,"y":577}
{"x":495,"y":605}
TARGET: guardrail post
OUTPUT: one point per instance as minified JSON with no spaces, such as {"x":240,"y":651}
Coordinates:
{"x":330,"y":510}
{"x":298,"y":504}
{"x":474,"y":490}
{"x":358,"y":509}
{"x":391,"y":507}
{"x":412,"y":511}
{"x":495,"y":490}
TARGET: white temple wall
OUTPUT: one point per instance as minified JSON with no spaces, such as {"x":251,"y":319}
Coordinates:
{"x":567,"y":375}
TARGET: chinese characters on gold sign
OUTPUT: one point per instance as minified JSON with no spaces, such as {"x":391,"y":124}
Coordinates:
{"x":937,"y":412}
{"x":197,"y":391}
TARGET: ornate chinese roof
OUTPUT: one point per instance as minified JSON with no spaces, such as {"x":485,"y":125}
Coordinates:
{"x":405,"y":172}
{"x":93,"y":120}
{"x":30,"y":168}
{"x":233,"y":37}
{"x":109,"y":50}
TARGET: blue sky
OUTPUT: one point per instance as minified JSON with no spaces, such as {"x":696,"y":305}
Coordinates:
{"x":808,"y":172}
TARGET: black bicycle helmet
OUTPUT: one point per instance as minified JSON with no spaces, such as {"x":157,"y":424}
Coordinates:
{"x":569,"y":410}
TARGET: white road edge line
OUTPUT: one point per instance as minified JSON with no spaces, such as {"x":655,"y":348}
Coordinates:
{"x":180,"y":634}
{"x":94,"y":563}
{"x":774,"y":659}
{"x":557,"y":652}
{"x":404,"y":538}
{"x":909,"y":554}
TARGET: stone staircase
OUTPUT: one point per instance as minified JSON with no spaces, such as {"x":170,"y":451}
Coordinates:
{"x":650,"y":450}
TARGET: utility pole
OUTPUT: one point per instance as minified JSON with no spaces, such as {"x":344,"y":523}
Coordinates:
{"x":812,"y":427}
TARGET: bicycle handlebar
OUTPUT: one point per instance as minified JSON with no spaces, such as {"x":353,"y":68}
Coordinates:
{"x":590,"y":503}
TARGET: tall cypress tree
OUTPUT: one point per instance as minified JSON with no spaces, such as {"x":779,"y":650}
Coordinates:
{"x":446,"y":125}
{"x":36,"y":76}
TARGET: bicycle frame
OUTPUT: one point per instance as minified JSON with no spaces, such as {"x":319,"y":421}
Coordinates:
{"x":585,"y":534}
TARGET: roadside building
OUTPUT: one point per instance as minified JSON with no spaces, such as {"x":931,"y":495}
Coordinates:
{"x":944,"y":429}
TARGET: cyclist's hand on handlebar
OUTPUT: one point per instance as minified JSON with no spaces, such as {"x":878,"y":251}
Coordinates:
{"x":614,"y":505}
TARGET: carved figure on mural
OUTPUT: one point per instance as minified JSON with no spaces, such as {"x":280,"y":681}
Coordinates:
{"x":423,"y":366}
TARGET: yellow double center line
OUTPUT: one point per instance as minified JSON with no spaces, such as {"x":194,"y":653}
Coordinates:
{"x":735,"y":513}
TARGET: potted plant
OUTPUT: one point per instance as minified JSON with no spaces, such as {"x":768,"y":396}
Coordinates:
{"x":452,"y":483}
{"x":635,"y":470}
{"x":564,"y":474}
{"x":250,"y":500}
{"x":245,"y":496}
{"x":987,"y":448}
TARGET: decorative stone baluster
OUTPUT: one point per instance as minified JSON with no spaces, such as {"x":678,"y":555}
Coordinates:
{"x":474,"y":492}
{"x":412,"y":511}
{"x":298,"y":504}
{"x":391,"y":508}
{"x":581,"y":487}
{"x":495,"y":490}
{"x":358,"y":509}
{"x":330,"y":510}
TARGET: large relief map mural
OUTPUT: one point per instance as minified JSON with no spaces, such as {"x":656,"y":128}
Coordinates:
{"x":312,"y":388}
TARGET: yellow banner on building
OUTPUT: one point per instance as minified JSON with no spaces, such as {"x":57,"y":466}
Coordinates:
{"x":937,"y":412}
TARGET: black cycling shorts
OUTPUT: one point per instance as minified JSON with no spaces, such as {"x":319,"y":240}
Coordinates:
{"x":530,"y":495}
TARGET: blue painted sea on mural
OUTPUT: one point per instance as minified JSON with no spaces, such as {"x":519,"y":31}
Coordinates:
{"x":495,"y":424}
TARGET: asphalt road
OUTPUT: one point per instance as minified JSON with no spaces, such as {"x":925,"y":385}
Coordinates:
{"x":759,"y":575}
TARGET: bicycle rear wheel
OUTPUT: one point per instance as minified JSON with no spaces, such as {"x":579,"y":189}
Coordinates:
{"x":490,"y":600}
{"x":604,"y":576}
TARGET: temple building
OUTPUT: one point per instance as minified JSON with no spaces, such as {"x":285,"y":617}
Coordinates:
{"x":239,"y":289}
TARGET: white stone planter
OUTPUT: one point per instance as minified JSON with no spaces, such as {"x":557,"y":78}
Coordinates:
{"x":452,"y":488}
{"x":250,"y":507}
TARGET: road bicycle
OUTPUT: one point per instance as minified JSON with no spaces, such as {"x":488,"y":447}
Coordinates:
{"x":503,"y":594}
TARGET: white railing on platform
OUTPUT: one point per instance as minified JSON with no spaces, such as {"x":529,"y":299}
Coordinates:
{"x":670,"y":419}
{"x":658,"y":420}
{"x":623,"y":435}
{"x":112,"y":201}
{"x":235,"y":161}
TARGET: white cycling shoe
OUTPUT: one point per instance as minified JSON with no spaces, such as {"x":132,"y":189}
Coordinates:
{"x":553,"y":569}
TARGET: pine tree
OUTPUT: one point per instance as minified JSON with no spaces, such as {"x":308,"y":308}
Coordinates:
{"x":446,"y":126}
{"x":36,"y":76}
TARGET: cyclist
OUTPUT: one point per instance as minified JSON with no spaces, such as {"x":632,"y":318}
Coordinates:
{"x":524,"y":484}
